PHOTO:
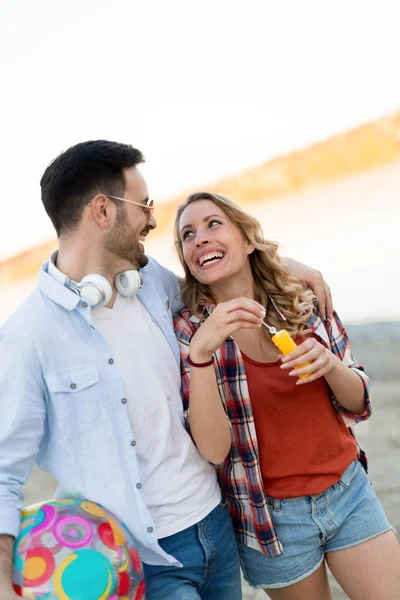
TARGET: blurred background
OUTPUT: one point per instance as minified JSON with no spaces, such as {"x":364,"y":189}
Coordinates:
{"x":292,"y":109}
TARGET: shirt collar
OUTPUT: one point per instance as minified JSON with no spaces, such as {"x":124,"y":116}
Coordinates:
{"x":52,"y":287}
{"x":52,"y":284}
{"x":53,"y":270}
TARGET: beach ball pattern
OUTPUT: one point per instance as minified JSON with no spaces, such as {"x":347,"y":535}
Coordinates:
{"x":75,"y":550}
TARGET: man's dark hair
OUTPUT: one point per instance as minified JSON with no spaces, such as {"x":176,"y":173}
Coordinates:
{"x":75,"y":176}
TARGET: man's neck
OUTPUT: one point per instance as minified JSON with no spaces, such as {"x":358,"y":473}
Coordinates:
{"x":76,"y":260}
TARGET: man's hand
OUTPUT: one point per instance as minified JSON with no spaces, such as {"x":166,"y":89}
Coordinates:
{"x":9,"y":595}
{"x":315,"y":280}
{"x":7,"y":592}
{"x":6,"y":551}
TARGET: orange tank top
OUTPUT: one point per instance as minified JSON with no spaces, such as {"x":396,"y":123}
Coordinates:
{"x":304,"y":444}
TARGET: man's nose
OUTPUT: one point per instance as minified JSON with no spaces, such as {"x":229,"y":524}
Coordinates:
{"x":152,"y":221}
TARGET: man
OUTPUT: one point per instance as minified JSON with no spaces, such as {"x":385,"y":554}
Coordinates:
{"x":90,"y":384}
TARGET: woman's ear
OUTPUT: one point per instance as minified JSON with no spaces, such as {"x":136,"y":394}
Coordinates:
{"x":249,"y":248}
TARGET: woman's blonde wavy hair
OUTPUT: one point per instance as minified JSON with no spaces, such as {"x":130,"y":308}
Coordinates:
{"x":271,"y":278}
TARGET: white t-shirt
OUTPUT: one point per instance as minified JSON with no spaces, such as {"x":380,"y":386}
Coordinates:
{"x":180,"y":488}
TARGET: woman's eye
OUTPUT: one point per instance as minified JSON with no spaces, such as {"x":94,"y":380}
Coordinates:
{"x":213,"y":222}
{"x":186,"y":234}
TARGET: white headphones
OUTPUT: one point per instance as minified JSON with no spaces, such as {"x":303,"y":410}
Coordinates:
{"x":95,"y":289}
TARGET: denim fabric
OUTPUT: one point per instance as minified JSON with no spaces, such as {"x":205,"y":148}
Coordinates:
{"x":346,"y":514}
{"x":208,"y":553}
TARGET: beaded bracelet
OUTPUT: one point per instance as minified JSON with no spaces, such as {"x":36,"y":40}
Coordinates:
{"x":200,"y":365}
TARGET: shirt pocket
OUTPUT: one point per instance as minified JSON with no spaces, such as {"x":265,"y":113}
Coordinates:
{"x":76,"y":398}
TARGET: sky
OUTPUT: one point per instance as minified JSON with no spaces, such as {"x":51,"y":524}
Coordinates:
{"x":203,"y":89}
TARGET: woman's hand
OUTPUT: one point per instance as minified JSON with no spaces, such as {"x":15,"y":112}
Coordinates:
{"x":321,"y":359}
{"x":226,"y":319}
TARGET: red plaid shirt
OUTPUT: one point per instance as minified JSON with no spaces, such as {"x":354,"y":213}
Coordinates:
{"x":240,"y":475}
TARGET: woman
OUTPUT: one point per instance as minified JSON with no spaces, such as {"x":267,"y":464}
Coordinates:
{"x":288,"y":463}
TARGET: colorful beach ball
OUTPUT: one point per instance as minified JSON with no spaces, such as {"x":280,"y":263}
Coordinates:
{"x":75,"y":550}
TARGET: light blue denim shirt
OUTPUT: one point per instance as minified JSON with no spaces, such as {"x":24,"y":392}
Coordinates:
{"x":61,"y":405}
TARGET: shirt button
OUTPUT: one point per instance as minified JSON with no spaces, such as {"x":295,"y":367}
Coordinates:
{"x":124,"y":400}
{"x":139,"y":486}
{"x":150,"y":530}
{"x":84,"y":304}
{"x":133,"y":443}
{"x":73,"y":386}
{"x":111,"y":361}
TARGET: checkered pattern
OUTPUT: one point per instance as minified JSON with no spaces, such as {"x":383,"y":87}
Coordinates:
{"x":240,"y":474}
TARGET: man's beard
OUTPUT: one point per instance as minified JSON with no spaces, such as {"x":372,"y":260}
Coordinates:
{"x":121,"y":242}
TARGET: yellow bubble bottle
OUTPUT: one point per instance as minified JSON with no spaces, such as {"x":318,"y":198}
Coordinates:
{"x":285,"y":344}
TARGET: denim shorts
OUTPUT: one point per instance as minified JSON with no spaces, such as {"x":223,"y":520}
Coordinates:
{"x":346,"y":514}
{"x":208,"y":553}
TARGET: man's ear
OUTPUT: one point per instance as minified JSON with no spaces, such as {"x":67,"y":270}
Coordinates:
{"x":103,"y":210}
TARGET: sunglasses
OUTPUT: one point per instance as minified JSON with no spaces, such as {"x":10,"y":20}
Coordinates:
{"x":148,"y":208}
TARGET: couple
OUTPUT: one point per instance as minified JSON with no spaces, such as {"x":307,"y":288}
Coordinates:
{"x":90,"y":388}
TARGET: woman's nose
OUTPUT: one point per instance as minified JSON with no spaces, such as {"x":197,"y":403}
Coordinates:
{"x":201,"y":239}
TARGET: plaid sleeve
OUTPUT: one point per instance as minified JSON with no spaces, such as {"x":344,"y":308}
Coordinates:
{"x":340,"y":346}
{"x":184,"y":331}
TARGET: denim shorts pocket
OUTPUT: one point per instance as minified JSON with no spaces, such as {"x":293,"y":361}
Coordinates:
{"x":350,"y":473}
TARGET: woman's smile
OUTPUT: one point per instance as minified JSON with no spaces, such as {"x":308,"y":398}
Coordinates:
{"x":210,"y":258}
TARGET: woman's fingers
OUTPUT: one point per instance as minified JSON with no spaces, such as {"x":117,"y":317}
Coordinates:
{"x":241,"y":314}
{"x":237,"y":312}
{"x":310,"y":356}
{"x":242,"y":325}
{"x":313,"y":376}
{"x":226,"y":319}
{"x":311,"y":367}
{"x":311,"y":352}
{"x":244,"y":304}
{"x":307,"y":351}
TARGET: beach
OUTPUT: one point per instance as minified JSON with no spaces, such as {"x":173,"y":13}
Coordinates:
{"x":377,"y":347}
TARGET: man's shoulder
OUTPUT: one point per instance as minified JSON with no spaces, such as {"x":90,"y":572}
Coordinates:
{"x":29,"y":318}
{"x":159,"y":273}
{"x":166,"y":283}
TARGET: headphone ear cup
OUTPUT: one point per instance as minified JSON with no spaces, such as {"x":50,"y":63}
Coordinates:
{"x":95,"y":290}
{"x":128,"y":283}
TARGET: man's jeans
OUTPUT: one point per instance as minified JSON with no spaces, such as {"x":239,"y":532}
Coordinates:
{"x":210,"y":561}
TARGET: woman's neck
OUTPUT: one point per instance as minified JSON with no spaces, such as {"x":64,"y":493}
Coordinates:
{"x":234,"y":287}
